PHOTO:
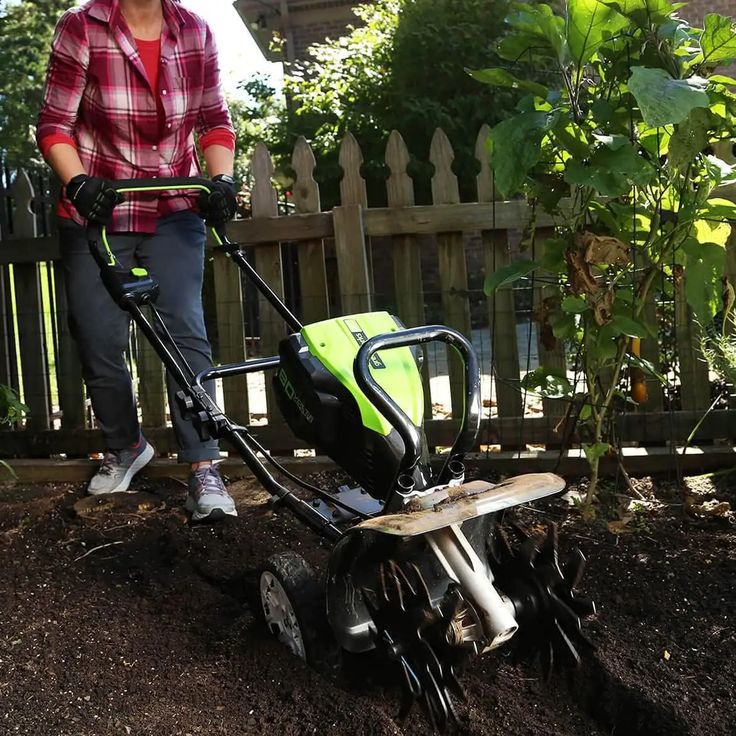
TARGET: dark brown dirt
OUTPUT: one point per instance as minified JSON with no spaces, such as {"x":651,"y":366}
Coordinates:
{"x":124,"y":619}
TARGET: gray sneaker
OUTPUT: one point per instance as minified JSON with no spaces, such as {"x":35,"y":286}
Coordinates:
{"x":207,"y":497}
{"x":118,"y":468}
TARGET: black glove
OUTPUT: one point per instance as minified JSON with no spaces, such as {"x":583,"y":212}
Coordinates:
{"x":219,"y":205}
{"x":93,"y":197}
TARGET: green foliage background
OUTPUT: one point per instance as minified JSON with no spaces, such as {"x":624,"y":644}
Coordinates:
{"x":402,"y":68}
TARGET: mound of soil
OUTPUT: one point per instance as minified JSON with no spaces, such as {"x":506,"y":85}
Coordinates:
{"x":119,"y":617}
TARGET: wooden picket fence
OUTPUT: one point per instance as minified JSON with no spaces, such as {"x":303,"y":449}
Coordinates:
{"x":347,"y":260}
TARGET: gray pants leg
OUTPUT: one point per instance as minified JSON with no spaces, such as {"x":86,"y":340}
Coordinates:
{"x":174,"y":256}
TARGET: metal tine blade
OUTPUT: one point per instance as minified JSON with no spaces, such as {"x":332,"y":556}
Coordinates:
{"x":521,"y":533}
{"x":574,"y":568}
{"x":456,"y":687}
{"x":413,"y":683}
{"x":394,"y":577}
{"x":421,"y":585}
{"x":382,"y":579}
{"x":528,"y":550}
{"x":549,"y":546}
{"x":582,"y":606}
{"x":564,"y":614}
{"x":500,"y":546}
{"x":567,"y":646}
{"x":436,"y":702}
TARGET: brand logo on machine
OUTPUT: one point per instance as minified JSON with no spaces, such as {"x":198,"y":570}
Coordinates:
{"x":360,"y":338}
{"x":291,"y":394}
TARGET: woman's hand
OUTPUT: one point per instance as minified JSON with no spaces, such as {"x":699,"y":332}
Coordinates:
{"x":93,"y":197}
{"x":219,"y":205}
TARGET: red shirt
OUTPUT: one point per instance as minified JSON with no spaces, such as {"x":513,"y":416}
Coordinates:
{"x":125,"y":121}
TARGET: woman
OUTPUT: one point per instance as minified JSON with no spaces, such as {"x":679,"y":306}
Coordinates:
{"x":129,"y":83}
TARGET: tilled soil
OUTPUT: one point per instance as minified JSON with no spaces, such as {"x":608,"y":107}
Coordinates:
{"x":122,"y":618}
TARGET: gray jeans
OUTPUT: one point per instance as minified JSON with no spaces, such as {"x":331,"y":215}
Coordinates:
{"x":174,"y":257}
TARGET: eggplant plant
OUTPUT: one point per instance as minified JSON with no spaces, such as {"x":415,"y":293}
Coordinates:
{"x":618,"y":148}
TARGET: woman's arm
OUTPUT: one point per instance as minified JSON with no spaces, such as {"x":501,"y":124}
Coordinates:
{"x":65,"y":82}
{"x":64,"y":160}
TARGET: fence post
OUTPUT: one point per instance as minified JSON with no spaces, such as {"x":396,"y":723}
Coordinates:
{"x":29,"y":306}
{"x":501,"y":309}
{"x":407,"y":260}
{"x":353,"y":271}
{"x":268,"y":263}
{"x":311,"y":253}
{"x":453,"y":270}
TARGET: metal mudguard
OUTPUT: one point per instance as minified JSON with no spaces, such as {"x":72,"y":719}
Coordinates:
{"x":456,"y":504}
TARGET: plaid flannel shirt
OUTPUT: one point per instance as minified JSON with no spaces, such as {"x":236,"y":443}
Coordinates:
{"x":97,"y":93}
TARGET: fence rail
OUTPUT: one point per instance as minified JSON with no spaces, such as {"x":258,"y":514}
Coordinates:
{"x":423,"y":262}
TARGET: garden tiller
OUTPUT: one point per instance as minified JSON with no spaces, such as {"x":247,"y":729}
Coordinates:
{"x":420,"y":568}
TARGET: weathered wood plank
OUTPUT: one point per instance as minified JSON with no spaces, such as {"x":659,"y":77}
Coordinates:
{"x":311,"y":253}
{"x":453,"y":270}
{"x":151,"y":383}
{"x":268,"y":264}
{"x":572,"y":463}
{"x":502,"y":321}
{"x":379,"y":221}
{"x":352,"y":265}
{"x":231,"y":333}
{"x":501,"y":309}
{"x":648,"y":429}
{"x":407,"y":262}
{"x":650,"y":350}
{"x":694,"y":381}
{"x":68,"y":367}
{"x":29,"y":306}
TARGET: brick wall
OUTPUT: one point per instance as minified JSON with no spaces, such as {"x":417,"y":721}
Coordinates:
{"x":696,"y":10}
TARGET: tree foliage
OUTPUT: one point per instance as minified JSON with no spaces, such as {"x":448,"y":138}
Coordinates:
{"x":402,"y":67}
{"x":26,"y":30}
{"x":626,"y":127}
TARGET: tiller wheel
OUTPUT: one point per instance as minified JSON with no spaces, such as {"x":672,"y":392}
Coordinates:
{"x":428,"y":640}
{"x":547,"y":610}
{"x":430,"y":637}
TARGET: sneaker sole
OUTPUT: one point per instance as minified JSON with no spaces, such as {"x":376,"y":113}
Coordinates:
{"x":140,"y":462}
{"x":216,"y":514}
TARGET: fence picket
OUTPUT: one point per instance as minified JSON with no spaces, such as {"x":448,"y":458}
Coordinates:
{"x":407,"y":262}
{"x":151,"y":389}
{"x":694,"y":380}
{"x":68,"y":367}
{"x":29,"y":305}
{"x":453,"y":271}
{"x":501,"y":309}
{"x":268,"y":264}
{"x":311,"y":253}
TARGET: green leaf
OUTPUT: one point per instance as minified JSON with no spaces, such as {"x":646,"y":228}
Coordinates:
{"x":664,"y":100}
{"x":612,"y":172}
{"x":553,"y":257}
{"x":690,"y":138}
{"x":501,"y":78}
{"x":516,"y":146}
{"x":507,"y":275}
{"x":539,"y":29}
{"x":644,"y":365}
{"x":623,"y":325}
{"x":703,"y":272}
{"x":574,"y":305}
{"x":718,"y":41}
{"x":551,"y":383}
{"x":722,"y":79}
{"x":595,"y":451}
{"x":589,"y":22}
{"x":718,"y":209}
{"x":565,"y":327}
{"x":643,"y":12}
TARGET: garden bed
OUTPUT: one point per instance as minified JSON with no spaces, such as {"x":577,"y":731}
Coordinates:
{"x":124,"y":619}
